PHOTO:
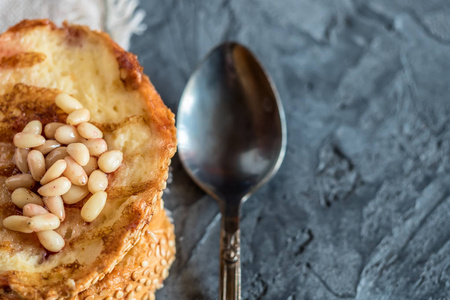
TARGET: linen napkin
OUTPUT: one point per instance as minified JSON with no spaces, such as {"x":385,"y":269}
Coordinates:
{"x":119,"y":18}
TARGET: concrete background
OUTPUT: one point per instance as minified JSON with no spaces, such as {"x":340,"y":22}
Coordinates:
{"x":360,"y":208}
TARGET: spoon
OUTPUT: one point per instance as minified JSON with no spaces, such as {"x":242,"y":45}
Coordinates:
{"x":232,"y":140}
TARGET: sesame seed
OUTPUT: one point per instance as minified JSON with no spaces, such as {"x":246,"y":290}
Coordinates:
{"x":129,"y":288}
{"x":148,"y":282}
{"x":165,"y":273}
{"x":70,"y":283}
{"x":119,"y":294}
{"x":142,"y":281}
{"x":144,"y":264}
{"x":147,"y":210}
{"x":164,"y":262}
{"x":135,"y":275}
{"x":138,"y":288}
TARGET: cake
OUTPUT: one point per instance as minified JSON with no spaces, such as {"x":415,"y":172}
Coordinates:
{"x":127,"y":250}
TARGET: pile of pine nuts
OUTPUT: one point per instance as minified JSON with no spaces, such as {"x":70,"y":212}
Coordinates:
{"x":70,"y":162}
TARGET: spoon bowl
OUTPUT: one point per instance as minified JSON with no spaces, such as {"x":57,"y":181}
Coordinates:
{"x":232,"y":140}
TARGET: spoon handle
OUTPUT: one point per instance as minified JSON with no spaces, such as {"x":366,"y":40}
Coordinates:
{"x":230,"y":260}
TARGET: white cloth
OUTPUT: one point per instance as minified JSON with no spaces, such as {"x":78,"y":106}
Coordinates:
{"x":119,"y":18}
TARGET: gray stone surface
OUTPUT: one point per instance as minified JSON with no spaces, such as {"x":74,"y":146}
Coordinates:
{"x":360,"y":208}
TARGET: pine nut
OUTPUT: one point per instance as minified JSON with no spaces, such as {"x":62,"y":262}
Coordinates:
{"x":36,"y":163}
{"x":97,"y":181}
{"x":43,"y":222}
{"x":17,"y":223}
{"x":51,"y":240}
{"x":28,"y":140}
{"x":54,"y":171}
{"x":79,"y":153}
{"x":56,"y":187}
{"x":75,"y":194}
{"x":57,"y":154}
{"x":31,"y":210}
{"x":19,"y":180}
{"x":22,"y":196}
{"x":50,"y":129}
{"x":94,"y":206}
{"x":91,"y":165}
{"x":48,"y":146}
{"x":89,"y":131}
{"x":67,"y":103}
{"x":33,"y":127}
{"x":75,"y":172}
{"x":110,"y":161}
{"x":78,"y":116}
{"x":56,"y":206}
{"x":96,"y":146}
{"x":20,"y":159}
{"x":67,"y":134}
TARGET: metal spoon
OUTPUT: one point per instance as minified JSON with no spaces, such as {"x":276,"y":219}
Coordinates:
{"x":232,"y":140}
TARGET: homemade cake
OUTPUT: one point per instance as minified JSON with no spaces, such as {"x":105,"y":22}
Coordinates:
{"x":125,"y":252}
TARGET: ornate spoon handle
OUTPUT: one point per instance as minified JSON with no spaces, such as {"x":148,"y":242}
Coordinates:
{"x":230,"y":260}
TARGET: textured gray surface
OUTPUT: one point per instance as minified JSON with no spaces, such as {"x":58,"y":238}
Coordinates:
{"x":360,"y":208}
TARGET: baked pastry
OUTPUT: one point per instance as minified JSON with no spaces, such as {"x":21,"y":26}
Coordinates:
{"x":110,"y":256}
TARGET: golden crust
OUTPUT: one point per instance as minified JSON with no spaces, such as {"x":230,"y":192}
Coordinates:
{"x":145,"y":266}
{"x":134,"y":190}
{"x":142,"y":270}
